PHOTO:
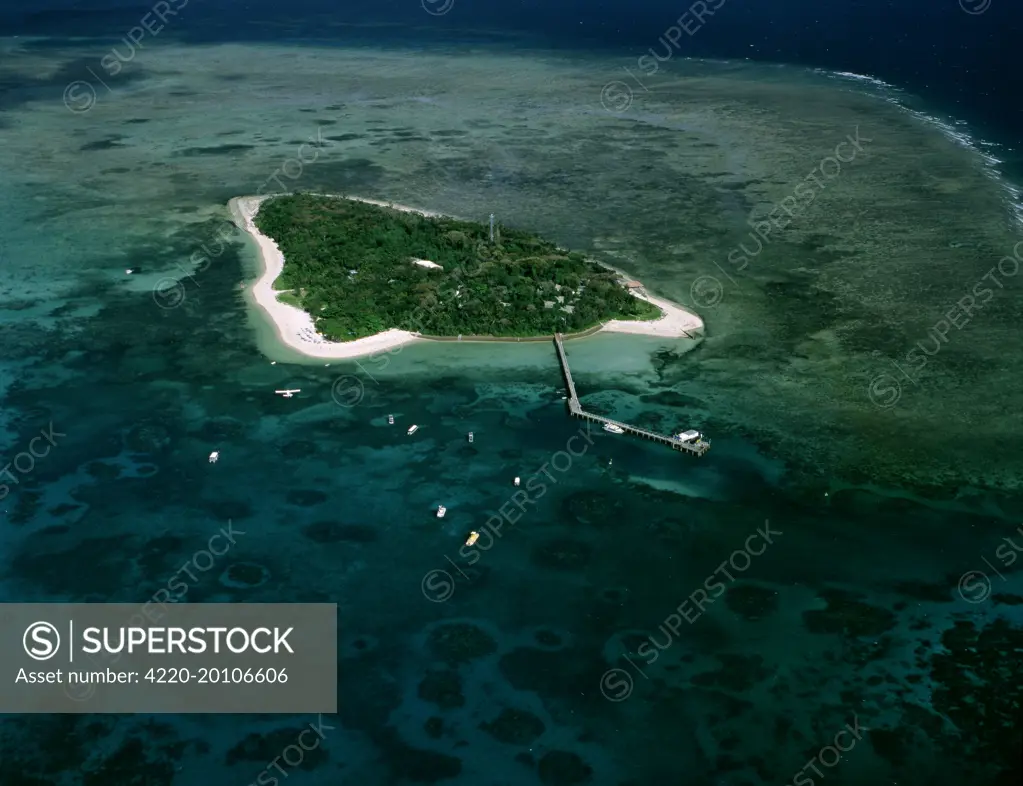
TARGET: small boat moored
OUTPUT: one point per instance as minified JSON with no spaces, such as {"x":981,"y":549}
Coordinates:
{"x":470,"y":436}
{"x":412,"y":429}
{"x":611,"y":427}
{"x":288,"y":393}
{"x":441,"y":510}
{"x":390,"y":420}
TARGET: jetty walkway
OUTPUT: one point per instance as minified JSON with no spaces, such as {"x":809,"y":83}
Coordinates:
{"x":576,"y":410}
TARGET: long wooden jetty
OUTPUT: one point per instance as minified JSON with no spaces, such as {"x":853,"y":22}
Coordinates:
{"x":577,"y":411}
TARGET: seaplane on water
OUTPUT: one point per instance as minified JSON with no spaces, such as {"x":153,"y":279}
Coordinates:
{"x":288,"y":393}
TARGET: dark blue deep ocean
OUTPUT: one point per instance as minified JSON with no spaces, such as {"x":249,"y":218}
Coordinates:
{"x":930,"y":48}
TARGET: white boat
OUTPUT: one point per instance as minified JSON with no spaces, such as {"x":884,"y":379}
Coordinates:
{"x":390,"y":420}
{"x":288,"y":393}
{"x":412,"y":429}
{"x":214,"y":456}
{"x":470,"y":436}
{"x":613,"y":428}
{"x":518,"y":481}
{"x":441,"y":511}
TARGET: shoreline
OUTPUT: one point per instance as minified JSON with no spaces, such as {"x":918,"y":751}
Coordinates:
{"x":296,"y":329}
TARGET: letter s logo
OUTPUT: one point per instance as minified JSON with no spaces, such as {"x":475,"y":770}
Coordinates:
{"x":41,"y":640}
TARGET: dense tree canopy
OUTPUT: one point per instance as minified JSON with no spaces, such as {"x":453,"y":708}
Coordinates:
{"x":349,"y":265}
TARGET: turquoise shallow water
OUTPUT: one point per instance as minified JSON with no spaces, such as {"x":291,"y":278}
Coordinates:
{"x":528,"y":661}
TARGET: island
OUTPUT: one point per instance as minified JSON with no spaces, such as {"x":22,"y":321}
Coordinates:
{"x":363,"y":276}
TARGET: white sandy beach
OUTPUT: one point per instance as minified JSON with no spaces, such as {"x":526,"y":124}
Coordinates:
{"x":294,"y":326}
{"x":298,"y":331}
{"x":675,"y":321}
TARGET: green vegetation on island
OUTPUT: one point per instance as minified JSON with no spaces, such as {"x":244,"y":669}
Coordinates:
{"x":350,"y":265}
